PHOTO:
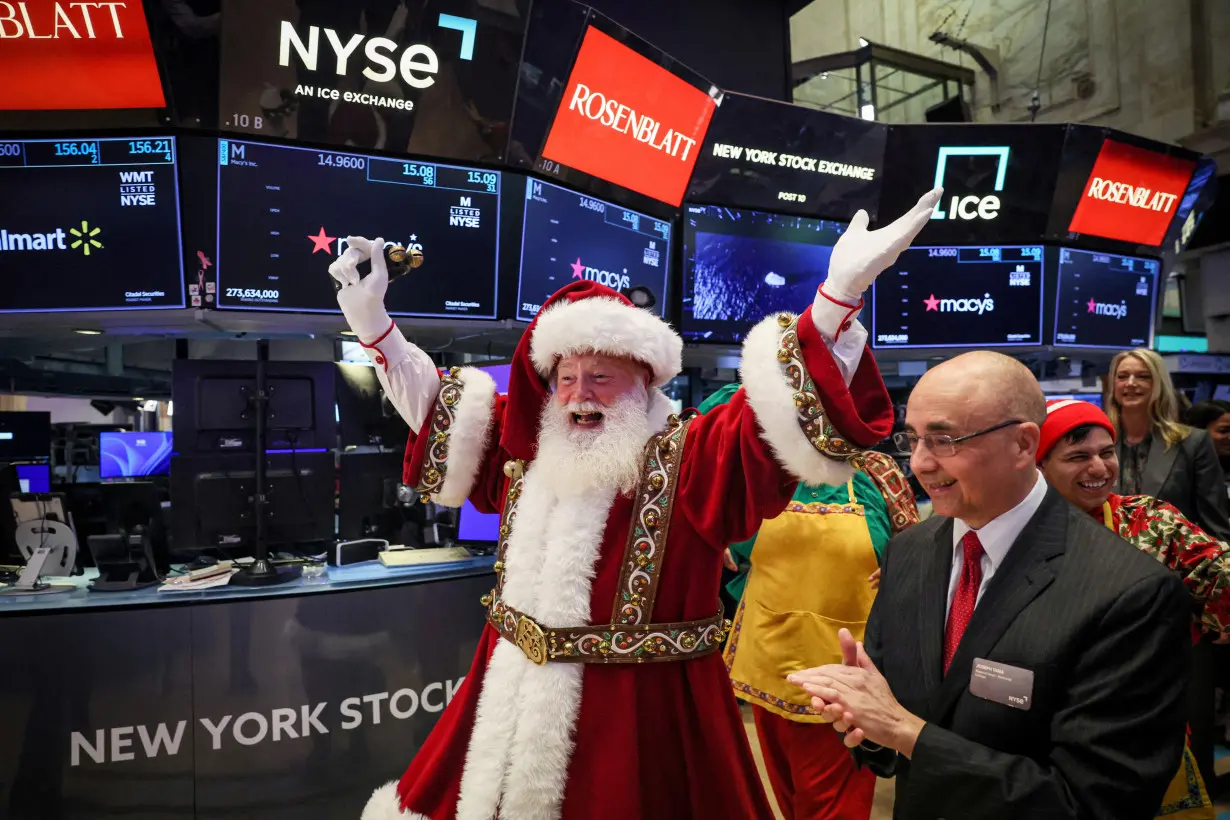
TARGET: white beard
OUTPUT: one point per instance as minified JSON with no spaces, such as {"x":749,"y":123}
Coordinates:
{"x":582,"y":460}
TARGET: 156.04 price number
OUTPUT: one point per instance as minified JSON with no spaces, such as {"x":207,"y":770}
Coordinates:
{"x":252,"y":295}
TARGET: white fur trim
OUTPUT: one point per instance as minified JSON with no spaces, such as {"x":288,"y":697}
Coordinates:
{"x":660,"y":410}
{"x":384,"y":804}
{"x":602,"y":324}
{"x":773,"y":402}
{"x":468,"y":437}
{"x":524,"y":726}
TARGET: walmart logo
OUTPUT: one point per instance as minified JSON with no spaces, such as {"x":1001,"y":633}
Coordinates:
{"x":85,"y":237}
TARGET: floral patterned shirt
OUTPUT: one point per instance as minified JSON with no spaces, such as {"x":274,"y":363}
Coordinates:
{"x":1160,"y":530}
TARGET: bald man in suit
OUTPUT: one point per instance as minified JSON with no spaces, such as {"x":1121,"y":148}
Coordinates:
{"x":1021,"y":661}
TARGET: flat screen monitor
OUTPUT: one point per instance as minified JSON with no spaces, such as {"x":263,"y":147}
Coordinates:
{"x":980,"y":296}
{"x":366,"y":417}
{"x":998,"y":180}
{"x":740,"y":266}
{"x":1092,"y":398}
{"x":284,"y":214}
{"x":473,"y":526}
{"x":774,"y":156}
{"x":134,"y":455}
{"x":434,"y":79}
{"x":89,"y":224}
{"x":34,"y":478}
{"x":1105,"y":300}
{"x":570,"y":236}
{"x":25,"y":435}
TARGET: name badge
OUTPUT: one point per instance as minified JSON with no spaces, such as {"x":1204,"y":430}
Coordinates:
{"x":1000,"y":683}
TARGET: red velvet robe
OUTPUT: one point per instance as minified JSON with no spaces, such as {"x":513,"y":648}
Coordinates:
{"x":654,"y":741}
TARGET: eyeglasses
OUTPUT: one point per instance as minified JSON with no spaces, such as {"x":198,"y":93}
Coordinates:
{"x":940,"y":444}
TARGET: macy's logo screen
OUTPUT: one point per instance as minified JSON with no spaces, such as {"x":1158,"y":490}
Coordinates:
{"x":629,"y":121}
{"x":1104,"y":300}
{"x":1131,"y":194}
{"x":980,"y":296}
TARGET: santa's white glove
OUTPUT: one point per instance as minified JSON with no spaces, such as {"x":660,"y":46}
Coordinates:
{"x":862,"y":255}
{"x":362,"y":298}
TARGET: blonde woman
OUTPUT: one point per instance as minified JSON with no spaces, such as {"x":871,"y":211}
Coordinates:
{"x":1158,"y":456}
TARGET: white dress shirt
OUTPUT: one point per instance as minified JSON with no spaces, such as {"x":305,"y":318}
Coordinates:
{"x":996,"y":536}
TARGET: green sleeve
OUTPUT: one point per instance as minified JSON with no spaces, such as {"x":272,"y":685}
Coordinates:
{"x":722,"y":396}
{"x":875,"y":508}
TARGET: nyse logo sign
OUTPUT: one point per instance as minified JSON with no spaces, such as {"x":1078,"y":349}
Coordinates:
{"x":970,"y":207}
{"x":416,"y":66}
{"x":464,"y":215}
{"x":137,"y":189}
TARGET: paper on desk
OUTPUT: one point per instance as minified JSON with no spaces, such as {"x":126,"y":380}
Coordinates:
{"x":185,"y":584}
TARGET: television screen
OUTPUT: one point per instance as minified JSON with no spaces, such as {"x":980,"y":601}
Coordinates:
{"x":740,"y":266}
{"x":89,"y":224}
{"x":998,"y":180}
{"x":436,"y":80}
{"x":984,"y":296}
{"x":1104,"y":300}
{"x":134,"y":455}
{"x":34,"y":478}
{"x":570,"y":236}
{"x":284,"y":214}
{"x":774,"y":156}
{"x":25,"y":435}
{"x":1092,"y":398}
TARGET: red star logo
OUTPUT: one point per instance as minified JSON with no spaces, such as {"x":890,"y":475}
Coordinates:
{"x":932,"y":303}
{"x":320,"y":242}
{"x":1093,"y":306}
{"x":577,"y":269}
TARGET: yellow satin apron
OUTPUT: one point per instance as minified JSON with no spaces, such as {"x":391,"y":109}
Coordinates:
{"x":1186,"y":797}
{"x":807,"y":580}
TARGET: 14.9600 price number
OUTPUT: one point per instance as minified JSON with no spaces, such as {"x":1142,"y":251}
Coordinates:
{"x":251,"y":295}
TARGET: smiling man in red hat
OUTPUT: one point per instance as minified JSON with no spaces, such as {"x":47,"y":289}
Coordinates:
{"x":597,"y":690}
{"x":1077,"y":456}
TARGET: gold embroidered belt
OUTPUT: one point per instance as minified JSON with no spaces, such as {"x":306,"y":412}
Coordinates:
{"x":606,"y":643}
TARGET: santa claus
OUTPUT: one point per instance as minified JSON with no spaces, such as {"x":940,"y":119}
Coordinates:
{"x":597,"y":690}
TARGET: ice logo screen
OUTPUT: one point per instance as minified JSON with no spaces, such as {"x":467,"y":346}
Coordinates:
{"x":971,"y":206}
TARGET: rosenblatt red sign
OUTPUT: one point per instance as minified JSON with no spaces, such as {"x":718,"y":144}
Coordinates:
{"x":1131,"y":194}
{"x":70,"y":56}
{"x":629,"y":121}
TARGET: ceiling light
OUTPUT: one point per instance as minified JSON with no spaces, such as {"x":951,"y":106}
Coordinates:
{"x":862,"y":41}
{"x":87,"y":331}
{"x":348,"y":333}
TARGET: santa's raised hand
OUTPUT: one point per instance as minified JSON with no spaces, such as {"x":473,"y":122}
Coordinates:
{"x":362,"y":298}
{"x":862,"y":255}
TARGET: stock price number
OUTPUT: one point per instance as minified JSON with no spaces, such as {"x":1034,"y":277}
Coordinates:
{"x":593,"y":205}
{"x":487,"y":179}
{"x":245,"y":121}
{"x":77,"y":149}
{"x":10,"y":149}
{"x":149,"y":147}
{"x":941,"y":252}
{"x":342,"y":161}
{"x":251,"y":295}
{"x":633,"y":219}
{"x":427,"y":173}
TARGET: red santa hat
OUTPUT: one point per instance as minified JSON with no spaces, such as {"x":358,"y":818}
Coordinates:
{"x":582,"y":317}
{"x":1065,"y":415}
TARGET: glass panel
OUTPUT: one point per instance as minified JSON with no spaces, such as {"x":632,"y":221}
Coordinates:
{"x":834,"y":91}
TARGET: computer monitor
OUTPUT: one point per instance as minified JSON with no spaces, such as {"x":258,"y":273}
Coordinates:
{"x":34,"y":478}
{"x":215,"y":406}
{"x":366,"y":416}
{"x":212,"y":497}
{"x":25,"y":435}
{"x":475,"y":527}
{"x":134,"y":455}
{"x":367,"y":499}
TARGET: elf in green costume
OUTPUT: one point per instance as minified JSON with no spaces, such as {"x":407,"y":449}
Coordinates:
{"x":805,"y":574}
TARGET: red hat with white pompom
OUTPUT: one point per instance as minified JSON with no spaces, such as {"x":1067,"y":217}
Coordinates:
{"x":582,"y":317}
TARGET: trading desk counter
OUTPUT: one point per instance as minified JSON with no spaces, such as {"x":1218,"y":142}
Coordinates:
{"x":291,"y":701}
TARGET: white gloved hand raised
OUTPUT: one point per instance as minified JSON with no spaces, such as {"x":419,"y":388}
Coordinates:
{"x":362,"y":298}
{"x":862,"y":255}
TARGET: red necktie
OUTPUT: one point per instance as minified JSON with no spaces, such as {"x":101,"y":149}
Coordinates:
{"x":963,"y":601}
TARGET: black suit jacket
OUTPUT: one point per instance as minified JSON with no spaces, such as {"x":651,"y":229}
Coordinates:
{"x":1104,"y":628}
{"x":1189,"y":476}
